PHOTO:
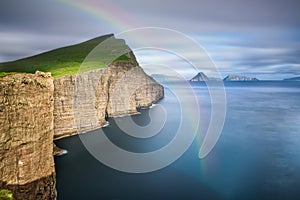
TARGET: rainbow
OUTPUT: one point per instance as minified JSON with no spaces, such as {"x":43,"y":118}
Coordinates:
{"x":109,"y":13}
{"x":113,"y":16}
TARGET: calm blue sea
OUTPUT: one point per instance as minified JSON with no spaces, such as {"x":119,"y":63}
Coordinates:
{"x":256,"y":157}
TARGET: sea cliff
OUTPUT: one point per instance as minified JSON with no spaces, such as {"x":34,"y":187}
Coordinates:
{"x":83,"y":101}
{"x":26,"y":136}
{"x":35,"y":109}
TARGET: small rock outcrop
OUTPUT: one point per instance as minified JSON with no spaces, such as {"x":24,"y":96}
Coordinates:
{"x":233,"y":77}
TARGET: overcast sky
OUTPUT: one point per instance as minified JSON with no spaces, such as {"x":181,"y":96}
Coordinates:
{"x":257,"y":38}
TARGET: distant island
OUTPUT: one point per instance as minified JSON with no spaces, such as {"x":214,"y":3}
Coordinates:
{"x":292,"y":79}
{"x":199,"y":77}
{"x":202,"y":77}
{"x":232,"y":77}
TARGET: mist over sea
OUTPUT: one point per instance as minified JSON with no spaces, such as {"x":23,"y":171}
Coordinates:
{"x":256,"y":157}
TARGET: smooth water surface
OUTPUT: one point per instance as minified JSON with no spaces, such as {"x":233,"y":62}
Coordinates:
{"x":256,"y":157}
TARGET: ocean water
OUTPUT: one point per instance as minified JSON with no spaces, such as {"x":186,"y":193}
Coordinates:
{"x":256,"y":157}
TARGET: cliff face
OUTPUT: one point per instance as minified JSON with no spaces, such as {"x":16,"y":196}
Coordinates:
{"x":80,"y":102}
{"x":35,"y":109}
{"x":26,"y":136}
{"x":130,"y":88}
{"x":83,"y":101}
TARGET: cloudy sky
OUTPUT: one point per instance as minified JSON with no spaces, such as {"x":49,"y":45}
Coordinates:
{"x":257,"y":38}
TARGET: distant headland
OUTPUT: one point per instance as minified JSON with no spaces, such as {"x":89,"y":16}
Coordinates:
{"x":232,"y":77}
{"x":292,"y":79}
{"x":201,"y":77}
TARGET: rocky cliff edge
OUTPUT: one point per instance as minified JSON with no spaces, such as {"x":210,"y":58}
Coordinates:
{"x":35,"y":109}
{"x":26,"y":136}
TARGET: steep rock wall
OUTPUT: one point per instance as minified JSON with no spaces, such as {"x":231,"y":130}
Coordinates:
{"x":83,"y":101}
{"x":130,"y":88}
{"x":80,"y":102}
{"x":26,"y":136}
{"x":34,"y":109}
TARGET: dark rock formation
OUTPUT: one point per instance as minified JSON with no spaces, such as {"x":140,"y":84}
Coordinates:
{"x":41,"y":189}
{"x":233,"y":77}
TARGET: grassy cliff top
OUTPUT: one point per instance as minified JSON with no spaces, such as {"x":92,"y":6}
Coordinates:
{"x":67,"y":60}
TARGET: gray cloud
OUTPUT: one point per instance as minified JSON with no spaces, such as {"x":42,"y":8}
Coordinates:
{"x":231,"y":12}
{"x":259,"y":36}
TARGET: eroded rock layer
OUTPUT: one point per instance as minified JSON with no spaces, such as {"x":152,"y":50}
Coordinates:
{"x":26,"y":135}
{"x":35,"y":109}
{"x":83,"y":101}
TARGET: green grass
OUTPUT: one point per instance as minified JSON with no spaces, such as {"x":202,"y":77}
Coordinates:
{"x":124,"y":58}
{"x":72,"y":59}
{"x":6,"y":73}
{"x":6,"y":195}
